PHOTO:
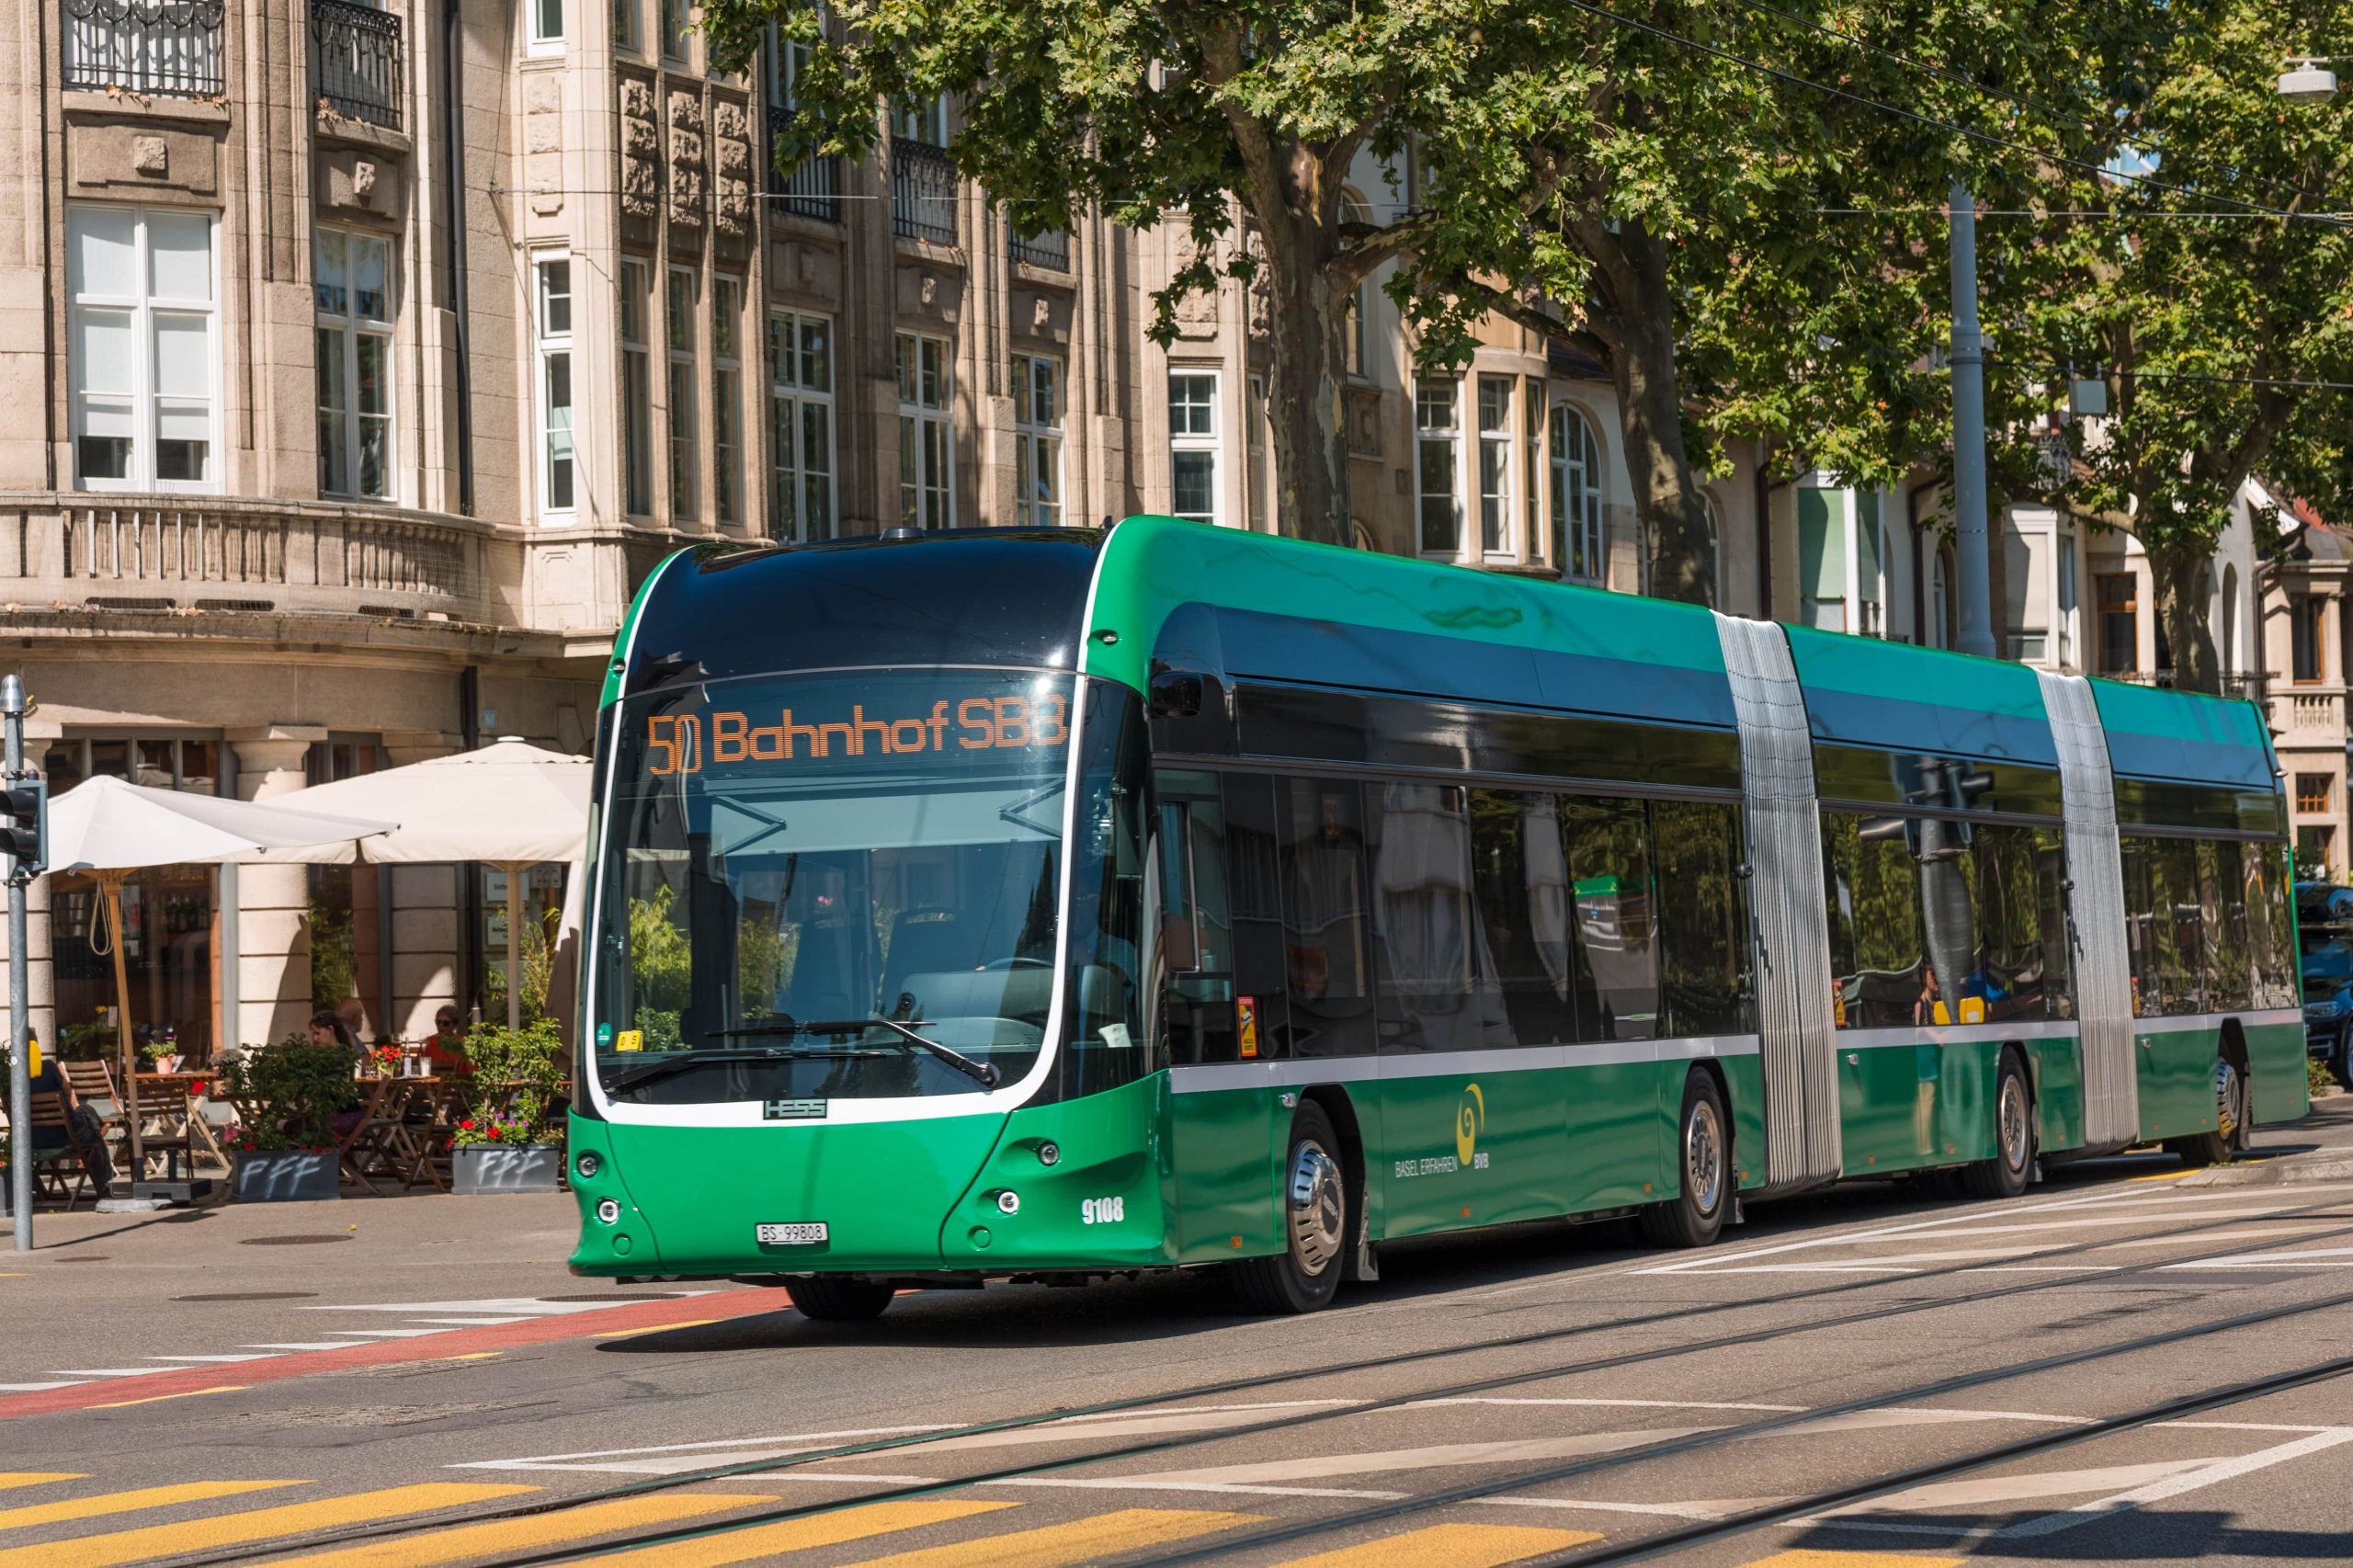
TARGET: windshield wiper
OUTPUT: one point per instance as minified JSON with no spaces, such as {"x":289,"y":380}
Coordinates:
{"x":690,"y":1058}
{"x":985,"y":1073}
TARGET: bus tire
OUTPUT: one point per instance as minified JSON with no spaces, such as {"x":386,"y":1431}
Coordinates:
{"x":1317,"y":1220}
{"x":2012,"y":1167}
{"x":1695,"y":1215}
{"x":826,"y":1298}
{"x":2231,"y":1101}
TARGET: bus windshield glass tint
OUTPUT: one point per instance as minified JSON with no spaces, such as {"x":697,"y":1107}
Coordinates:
{"x":789,"y":859}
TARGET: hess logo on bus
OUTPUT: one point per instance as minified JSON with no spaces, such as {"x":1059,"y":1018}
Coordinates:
{"x":675,"y":742}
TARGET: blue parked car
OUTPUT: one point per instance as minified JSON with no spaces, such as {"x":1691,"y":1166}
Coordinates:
{"x":2324,"y":932}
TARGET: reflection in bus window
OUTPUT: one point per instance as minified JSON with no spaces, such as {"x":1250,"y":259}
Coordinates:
{"x":1610,"y":870}
{"x":1703,"y":950}
{"x":1422,"y":868}
{"x":1327,"y":941}
{"x":1521,"y":875}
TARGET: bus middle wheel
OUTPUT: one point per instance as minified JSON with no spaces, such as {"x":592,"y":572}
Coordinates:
{"x":2008,"y":1173}
{"x":1695,"y":1215}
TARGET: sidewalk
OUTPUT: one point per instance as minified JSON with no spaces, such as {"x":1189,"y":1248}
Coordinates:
{"x":2317,"y":1149}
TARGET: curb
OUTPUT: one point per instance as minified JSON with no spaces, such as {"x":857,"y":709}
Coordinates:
{"x":2287,"y":1172}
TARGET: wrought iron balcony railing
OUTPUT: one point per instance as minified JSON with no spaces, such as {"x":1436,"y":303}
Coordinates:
{"x":155,"y":48}
{"x":355,"y":61}
{"x":810,"y":187}
{"x":1049,"y":250}
{"x":923,"y":191}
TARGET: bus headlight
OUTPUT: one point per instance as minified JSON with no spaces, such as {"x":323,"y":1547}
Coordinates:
{"x":588,"y":1165}
{"x":608,"y":1211}
{"x":1009,"y":1201}
{"x":1049,"y":1153}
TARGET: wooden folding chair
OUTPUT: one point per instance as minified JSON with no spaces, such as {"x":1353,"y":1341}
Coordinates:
{"x":446,"y":1103}
{"x":160,"y":1106}
{"x":49,"y":1111}
{"x":359,"y":1153}
{"x":93,"y":1085}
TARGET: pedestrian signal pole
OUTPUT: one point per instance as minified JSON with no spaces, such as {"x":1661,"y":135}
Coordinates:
{"x":24,"y":834}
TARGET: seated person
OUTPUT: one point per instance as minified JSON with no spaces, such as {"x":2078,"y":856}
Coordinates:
{"x":83,"y":1131}
{"x":445,"y":1051}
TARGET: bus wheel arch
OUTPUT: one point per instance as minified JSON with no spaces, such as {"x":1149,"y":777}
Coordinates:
{"x":1317,"y":1206}
{"x":2233,"y":1104}
{"x":2009,"y":1172}
{"x":1704,"y":1171}
{"x":1333,"y":1098}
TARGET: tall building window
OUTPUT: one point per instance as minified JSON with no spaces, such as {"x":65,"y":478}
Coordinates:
{"x":625,"y":24}
{"x":2312,"y":792}
{"x":1437,"y":441}
{"x":727,"y":398}
{"x":143,"y":370}
{"x":552,"y":278}
{"x":926,"y":445}
{"x":2120,"y":624}
{"x":547,"y":26}
{"x":352,"y":290}
{"x":637,"y":391}
{"x":1531,"y":464}
{"x":674,"y":28}
{"x":1495,"y":464}
{"x":679,"y":300}
{"x":801,"y":425}
{"x":925,"y":122}
{"x":1193,"y":445}
{"x":1576,"y":496}
{"x":1254,"y":455}
{"x":1038,"y":439}
{"x":2308,"y":646}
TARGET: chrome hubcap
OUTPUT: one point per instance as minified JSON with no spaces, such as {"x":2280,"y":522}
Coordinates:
{"x":2229,"y":1090}
{"x":1319,"y":1208}
{"x":2014,"y":1124}
{"x":1703,"y":1160}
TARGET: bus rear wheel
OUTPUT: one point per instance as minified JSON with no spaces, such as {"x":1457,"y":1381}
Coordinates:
{"x":828,"y":1298}
{"x":1319,"y":1211}
{"x":1695,"y":1216}
{"x":2220,"y":1146}
{"x":2008,"y":1173}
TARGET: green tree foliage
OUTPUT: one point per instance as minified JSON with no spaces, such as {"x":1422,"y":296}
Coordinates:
{"x":2198,"y":315}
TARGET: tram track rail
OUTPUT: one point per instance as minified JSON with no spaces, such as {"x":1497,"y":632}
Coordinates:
{"x":1263,"y":1380}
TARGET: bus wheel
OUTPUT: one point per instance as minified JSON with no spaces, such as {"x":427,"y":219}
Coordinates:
{"x":830,"y":1299}
{"x":2006,"y":1175}
{"x":1316,"y":1211}
{"x":1694,"y":1216}
{"x":2229,"y":1136}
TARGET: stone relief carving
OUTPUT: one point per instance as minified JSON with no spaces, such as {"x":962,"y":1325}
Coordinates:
{"x":641,"y":150}
{"x":1197,"y":313}
{"x":731,"y":133}
{"x":689,"y":159}
{"x":150,"y":155}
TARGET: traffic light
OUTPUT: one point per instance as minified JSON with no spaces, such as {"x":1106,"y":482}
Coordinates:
{"x":24,"y":825}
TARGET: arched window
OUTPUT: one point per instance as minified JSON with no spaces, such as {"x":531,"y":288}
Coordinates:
{"x":1712,"y":520}
{"x":1576,"y":496}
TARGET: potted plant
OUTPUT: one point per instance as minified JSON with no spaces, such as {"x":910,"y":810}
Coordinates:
{"x":516,"y":1146}
{"x":287,"y":1097}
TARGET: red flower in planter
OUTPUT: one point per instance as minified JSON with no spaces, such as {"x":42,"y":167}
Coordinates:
{"x":467,"y":1125}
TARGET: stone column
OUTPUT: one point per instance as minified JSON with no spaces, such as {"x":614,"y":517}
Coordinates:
{"x":426,"y":919}
{"x":273,"y":902}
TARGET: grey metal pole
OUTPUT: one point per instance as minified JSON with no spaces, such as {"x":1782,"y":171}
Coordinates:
{"x":20,"y":1067}
{"x":1976,"y":628}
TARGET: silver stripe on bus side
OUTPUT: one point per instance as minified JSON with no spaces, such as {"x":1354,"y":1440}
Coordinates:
{"x":1300,"y":1071}
{"x":2096,"y":908}
{"x":1789,"y":920}
{"x":1956,"y":1034}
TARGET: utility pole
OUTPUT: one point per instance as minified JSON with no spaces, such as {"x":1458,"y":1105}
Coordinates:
{"x":1968,"y":433}
{"x":20,"y":1065}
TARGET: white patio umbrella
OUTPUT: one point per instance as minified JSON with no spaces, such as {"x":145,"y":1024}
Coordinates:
{"x":510,"y":805}
{"x":107,"y":829}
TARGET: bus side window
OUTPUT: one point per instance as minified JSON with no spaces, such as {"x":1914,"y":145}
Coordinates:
{"x":1196,"y":959}
{"x":1612,"y":895}
{"x":1328,"y":929}
{"x":1703,"y":950}
{"x":1254,"y":885}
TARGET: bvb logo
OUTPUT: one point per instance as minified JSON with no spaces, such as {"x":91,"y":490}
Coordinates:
{"x":1470,"y":1119}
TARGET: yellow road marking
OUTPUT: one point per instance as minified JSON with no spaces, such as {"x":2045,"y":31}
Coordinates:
{"x":37,"y":1477}
{"x":475,"y":1356}
{"x":1081,"y":1541}
{"x":1448,"y":1546}
{"x":653,"y":1328}
{"x":464,"y":1541}
{"x":159,"y":1398}
{"x":1853,"y":1559}
{"x":757,"y":1542}
{"x":2159,"y":1176}
{"x":236,"y":1529}
{"x":129,"y":1502}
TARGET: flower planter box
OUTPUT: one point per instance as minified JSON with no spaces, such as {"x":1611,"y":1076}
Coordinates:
{"x":506,"y":1167}
{"x":287,"y":1176}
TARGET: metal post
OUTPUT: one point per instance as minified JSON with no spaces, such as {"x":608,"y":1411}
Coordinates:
{"x":1976,"y":630}
{"x":21,"y":1067}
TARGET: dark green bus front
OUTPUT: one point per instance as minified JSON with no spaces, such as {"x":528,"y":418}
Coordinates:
{"x":863,"y":991}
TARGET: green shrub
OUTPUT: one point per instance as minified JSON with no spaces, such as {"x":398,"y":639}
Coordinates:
{"x":2318,"y":1079}
{"x":531,"y":1060}
{"x":289,"y":1094}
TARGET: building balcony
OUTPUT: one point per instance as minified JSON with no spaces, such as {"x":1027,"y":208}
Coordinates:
{"x":1049,"y":250}
{"x":2309,"y":716}
{"x":810,"y":189}
{"x":153,"y":48}
{"x":923,"y":192}
{"x":357,"y":61}
{"x":202,"y":555}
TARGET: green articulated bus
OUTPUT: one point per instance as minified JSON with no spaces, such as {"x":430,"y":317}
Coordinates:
{"x":1041,"y":905}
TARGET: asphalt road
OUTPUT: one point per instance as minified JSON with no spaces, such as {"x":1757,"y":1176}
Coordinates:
{"x":2129,"y":1365}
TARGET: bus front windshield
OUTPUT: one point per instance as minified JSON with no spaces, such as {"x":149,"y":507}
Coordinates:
{"x":832,"y":886}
